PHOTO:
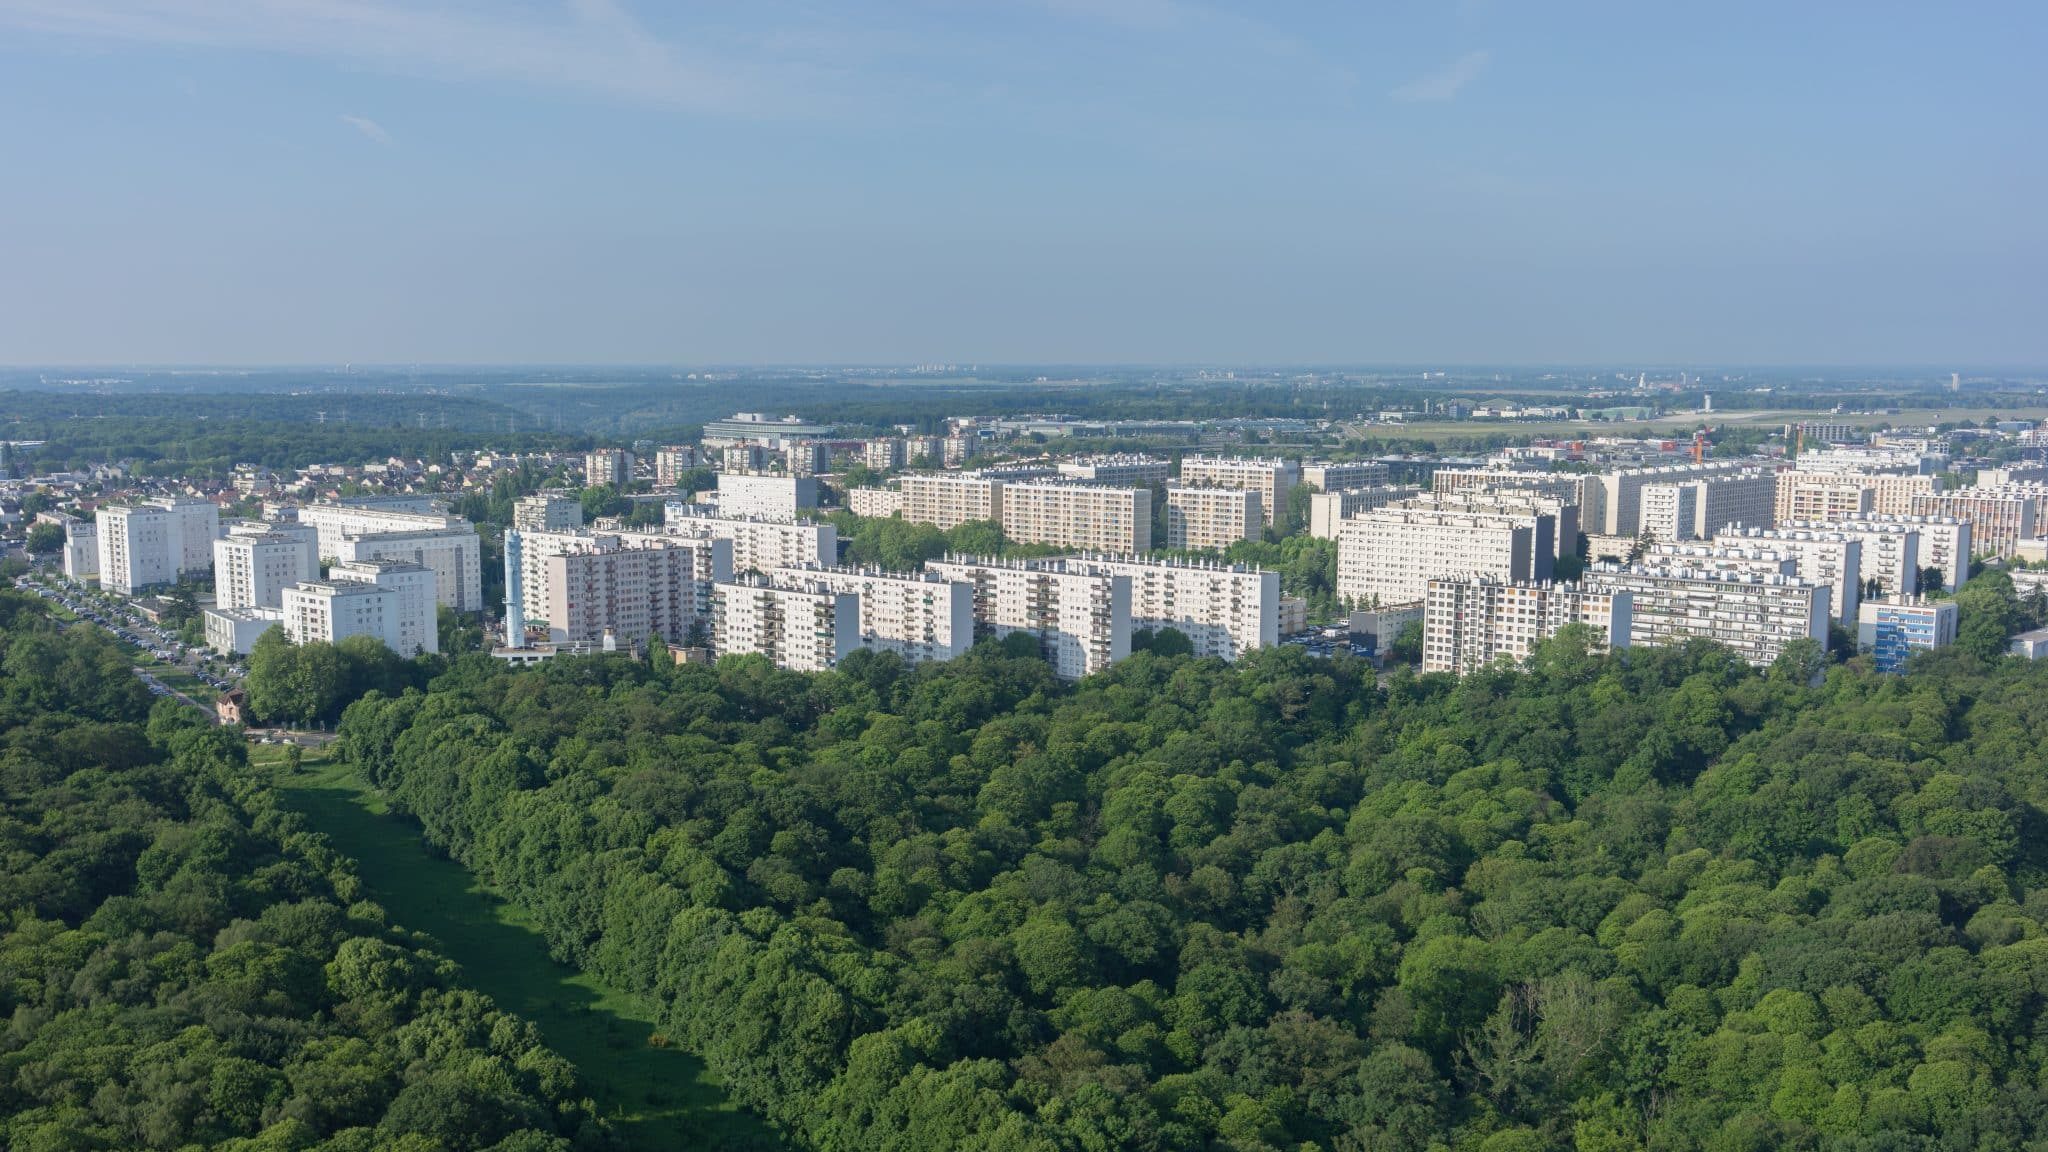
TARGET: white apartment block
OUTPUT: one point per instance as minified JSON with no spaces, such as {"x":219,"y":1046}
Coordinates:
{"x":392,"y":600}
{"x":2012,"y":474}
{"x":1271,"y":477}
{"x":1129,"y":470}
{"x":1467,"y":624}
{"x":766,"y":496}
{"x":1829,"y":497}
{"x":1388,"y":556}
{"x":149,"y":544}
{"x":1895,"y":551}
{"x":879,"y":503}
{"x":947,"y":501}
{"x":1755,"y":614}
{"x":671,"y":462}
{"x":1212,"y":518}
{"x":1834,"y":559}
{"x":918,"y":616}
{"x":742,"y":458}
{"x":198,"y":526}
{"x":1225,"y":609}
{"x":81,"y":548}
{"x":255,"y":562}
{"x":1327,"y":511}
{"x":807,"y":628}
{"x":1894,"y":459}
{"x":807,"y":458}
{"x":627,"y":589}
{"x":1620,"y":494}
{"x":1999,"y":517}
{"x":1557,"y":529}
{"x":362,"y":516}
{"x":960,"y":449}
{"x":1089,"y":516}
{"x":1702,"y":509}
{"x":613,"y":466}
{"x":1800,"y":490}
{"x":451,"y":552}
{"x":885,"y":455}
{"x":234,"y":631}
{"x":548,"y":512}
{"x":1082,"y":619}
{"x":1324,"y":476}
{"x":758,"y":545}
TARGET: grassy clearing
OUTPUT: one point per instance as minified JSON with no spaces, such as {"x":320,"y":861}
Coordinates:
{"x":659,"y":1098}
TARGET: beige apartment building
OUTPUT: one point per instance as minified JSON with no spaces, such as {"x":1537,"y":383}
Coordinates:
{"x":1272,"y":478}
{"x":1212,"y":518}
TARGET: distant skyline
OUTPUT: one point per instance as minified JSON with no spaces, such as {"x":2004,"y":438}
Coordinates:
{"x":1021,"y":182}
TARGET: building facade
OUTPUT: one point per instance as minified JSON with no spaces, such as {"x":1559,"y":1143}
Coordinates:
{"x":805,"y":628}
{"x":1090,"y":516}
{"x":1273,"y":478}
{"x":391,"y":600}
{"x":758,"y":545}
{"x":548,"y":512}
{"x":1756,"y":615}
{"x":1212,"y":518}
{"x":1226,"y":610}
{"x":1327,"y":511}
{"x":254,"y":563}
{"x":1081,"y":619}
{"x":1388,"y":555}
{"x":1324,"y":476}
{"x":613,"y":466}
{"x":1129,"y":470}
{"x":1893,"y":629}
{"x":948,"y":501}
{"x":1467,"y":624}
{"x":452,"y":553}
{"x":766,"y":495}
{"x":918,"y":616}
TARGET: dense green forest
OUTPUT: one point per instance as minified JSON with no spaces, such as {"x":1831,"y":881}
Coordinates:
{"x":183,"y":966}
{"x":1653,"y":900}
{"x":209,"y":434}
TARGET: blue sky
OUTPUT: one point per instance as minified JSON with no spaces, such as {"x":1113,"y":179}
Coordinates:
{"x":313,"y":181}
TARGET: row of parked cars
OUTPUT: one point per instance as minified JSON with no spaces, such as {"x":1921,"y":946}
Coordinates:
{"x":132,"y":628}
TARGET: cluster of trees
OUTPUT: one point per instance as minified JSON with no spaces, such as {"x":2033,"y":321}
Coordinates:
{"x":183,"y":965}
{"x":1652,"y":900}
{"x":207,"y":435}
{"x":300,"y":685}
{"x":902,"y":545}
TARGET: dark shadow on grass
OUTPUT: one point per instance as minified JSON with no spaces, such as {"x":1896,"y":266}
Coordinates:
{"x":657,"y":1098}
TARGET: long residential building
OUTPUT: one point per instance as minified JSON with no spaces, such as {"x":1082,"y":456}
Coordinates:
{"x":1620,"y":493}
{"x":1273,"y":478}
{"x":947,"y":500}
{"x":1999,"y":517}
{"x":1128,"y":470}
{"x":1095,"y":517}
{"x":758,"y":545}
{"x":766,"y":495}
{"x":1469,"y":623}
{"x":804,"y":628}
{"x":1817,"y":495}
{"x":1212,"y":518}
{"x":452,"y":551}
{"x":365,"y":515}
{"x":1898,"y":550}
{"x":1820,"y":557}
{"x":1704,"y":508}
{"x":919,"y":616}
{"x":880,"y":503}
{"x":1832,"y":560}
{"x":1757,"y":615}
{"x":1556,"y":536}
{"x":1225,"y":609}
{"x":1388,"y":555}
{"x":391,"y":600}
{"x":1324,"y":476}
{"x":1327,"y":511}
{"x":1081,"y":618}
